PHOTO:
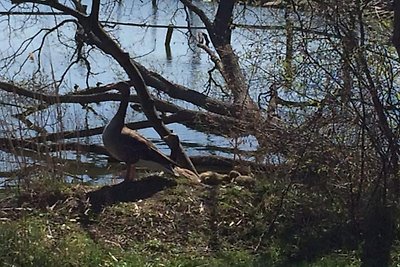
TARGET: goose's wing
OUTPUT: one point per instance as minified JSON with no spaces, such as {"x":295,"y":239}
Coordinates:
{"x":143,"y":149}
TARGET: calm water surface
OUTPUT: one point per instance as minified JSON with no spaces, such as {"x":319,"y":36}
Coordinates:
{"x":187,"y":65}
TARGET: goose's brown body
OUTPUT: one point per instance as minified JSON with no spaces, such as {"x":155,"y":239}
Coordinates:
{"x":130,"y":147}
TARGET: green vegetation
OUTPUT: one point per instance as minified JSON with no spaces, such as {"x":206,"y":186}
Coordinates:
{"x":51,"y":224}
{"x":36,"y":241}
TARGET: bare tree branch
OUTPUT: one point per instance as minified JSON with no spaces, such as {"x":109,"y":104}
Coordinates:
{"x":94,"y":13}
{"x":220,"y":31}
{"x":207,"y":22}
{"x":54,"y":4}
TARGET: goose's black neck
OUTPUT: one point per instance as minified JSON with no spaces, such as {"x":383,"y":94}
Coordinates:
{"x":119,"y":118}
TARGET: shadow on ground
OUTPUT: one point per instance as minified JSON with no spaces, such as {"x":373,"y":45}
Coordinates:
{"x":128,"y":191}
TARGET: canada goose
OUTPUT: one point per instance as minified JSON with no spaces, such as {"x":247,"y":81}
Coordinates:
{"x":129,"y":146}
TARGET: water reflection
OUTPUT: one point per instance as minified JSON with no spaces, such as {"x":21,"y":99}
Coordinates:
{"x":187,"y":65}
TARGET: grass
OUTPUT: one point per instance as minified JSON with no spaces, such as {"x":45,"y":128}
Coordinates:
{"x":51,"y":224}
{"x":34,"y":241}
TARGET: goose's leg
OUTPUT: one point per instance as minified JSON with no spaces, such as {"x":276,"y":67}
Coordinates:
{"x":132,"y":176}
{"x":130,"y":173}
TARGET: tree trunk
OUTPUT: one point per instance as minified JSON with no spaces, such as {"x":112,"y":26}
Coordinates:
{"x":220,"y":31}
{"x":378,"y":236}
{"x":396,"y":26}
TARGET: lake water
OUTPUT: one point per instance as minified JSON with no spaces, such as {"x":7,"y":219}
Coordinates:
{"x":187,"y":65}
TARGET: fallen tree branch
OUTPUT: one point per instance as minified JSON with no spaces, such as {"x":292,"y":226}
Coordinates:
{"x":202,"y":121}
{"x":209,"y":162}
{"x":196,"y":120}
{"x":176,"y":91}
{"x":83,"y":98}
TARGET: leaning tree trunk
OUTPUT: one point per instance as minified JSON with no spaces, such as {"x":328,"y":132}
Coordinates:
{"x":95,"y":35}
{"x":110,"y":47}
{"x":220,"y":32}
